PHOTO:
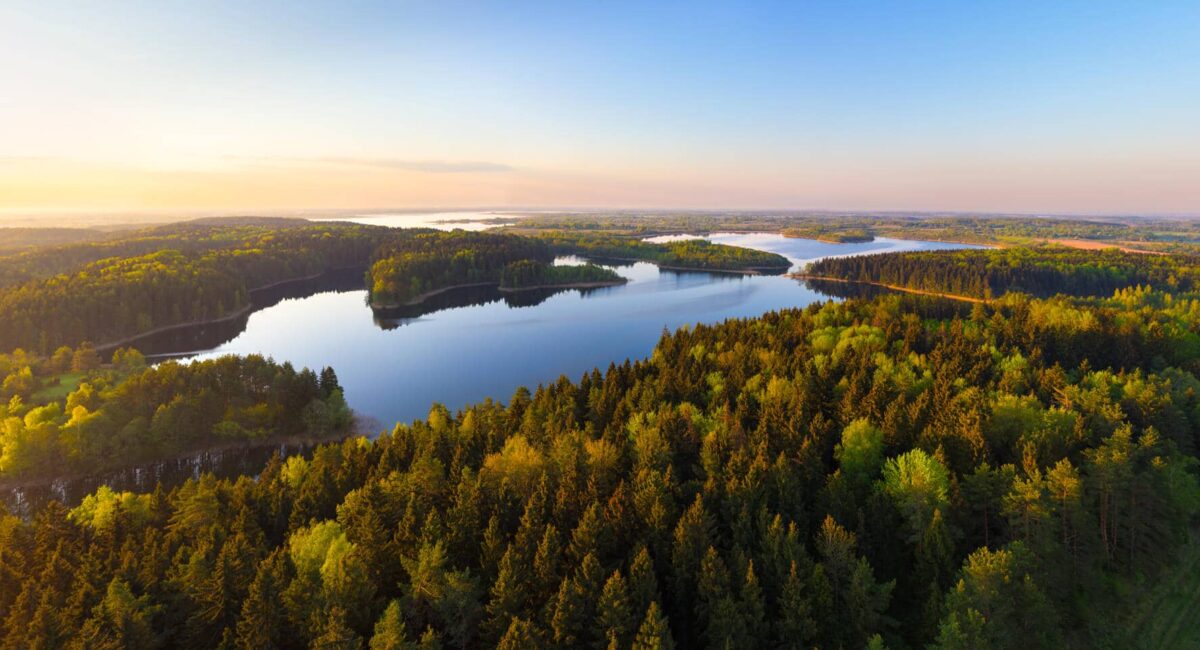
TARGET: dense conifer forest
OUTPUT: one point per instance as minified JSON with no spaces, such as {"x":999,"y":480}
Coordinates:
{"x":109,"y":291}
{"x":530,"y":274}
{"x":416,"y":263}
{"x":1040,"y":272}
{"x":901,"y":472}
{"x":66,"y":414}
{"x":695,"y":254}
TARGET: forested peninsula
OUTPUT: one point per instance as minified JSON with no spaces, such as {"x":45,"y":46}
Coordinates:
{"x":686,"y":255}
{"x":1042,"y":271}
{"x":108,"y":291}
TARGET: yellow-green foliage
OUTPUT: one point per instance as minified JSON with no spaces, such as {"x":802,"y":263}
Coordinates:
{"x":100,"y":509}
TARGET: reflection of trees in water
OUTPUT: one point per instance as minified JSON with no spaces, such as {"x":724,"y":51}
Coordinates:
{"x":846,"y":289}
{"x":190,"y":339}
{"x":935,"y":306}
{"x":393,"y":318}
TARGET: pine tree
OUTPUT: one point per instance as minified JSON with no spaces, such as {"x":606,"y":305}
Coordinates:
{"x":520,"y":635}
{"x":569,"y":618}
{"x":389,"y":630}
{"x":120,"y":621}
{"x":263,"y":622}
{"x":654,"y":633}
{"x":795,"y":627}
{"x":335,"y":634}
{"x":613,"y":616}
{"x":753,"y":614}
{"x":643,"y":586}
{"x":509,"y":595}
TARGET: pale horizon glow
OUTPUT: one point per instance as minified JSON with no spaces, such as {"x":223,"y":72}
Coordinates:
{"x":169,"y":108}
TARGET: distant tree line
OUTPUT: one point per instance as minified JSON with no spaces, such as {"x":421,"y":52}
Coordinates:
{"x":204,"y":273}
{"x":687,"y":254}
{"x":830,"y":234}
{"x":1175,"y":235}
{"x":1042,"y":272}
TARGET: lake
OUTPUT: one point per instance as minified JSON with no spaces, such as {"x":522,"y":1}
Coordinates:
{"x":477,"y":343}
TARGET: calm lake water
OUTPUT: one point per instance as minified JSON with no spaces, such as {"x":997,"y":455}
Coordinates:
{"x":438,"y":220}
{"x":478,"y":343}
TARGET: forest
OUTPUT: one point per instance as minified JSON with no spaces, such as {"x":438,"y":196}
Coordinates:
{"x":1042,"y":272}
{"x":695,"y":254}
{"x":830,"y":234}
{"x":104,"y":292}
{"x":897,"y":472}
{"x":66,"y":414}
{"x":417,"y":262}
{"x":527,"y":274}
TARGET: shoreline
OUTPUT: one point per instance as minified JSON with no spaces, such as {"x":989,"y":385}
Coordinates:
{"x":242,"y":311}
{"x":571,"y":285}
{"x":420,"y":298}
{"x":919,"y":292}
{"x":416,"y":301}
{"x":755,"y":270}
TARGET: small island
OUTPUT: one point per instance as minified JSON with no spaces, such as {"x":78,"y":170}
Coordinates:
{"x":683,"y":255}
{"x":416,"y":265}
{"x":531,"y":274}
{"x":829,"y":235}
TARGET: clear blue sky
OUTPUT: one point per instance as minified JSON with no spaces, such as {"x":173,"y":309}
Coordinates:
{"x":1040,"y":106}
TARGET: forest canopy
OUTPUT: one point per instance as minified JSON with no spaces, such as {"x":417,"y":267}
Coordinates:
{"x":110,"y":291}
{"x":527,"y":274}
{"x":695,"y":254}
{"x":133,"y":413}
{"x":903,"y":471}
{"x":1042,"y":272}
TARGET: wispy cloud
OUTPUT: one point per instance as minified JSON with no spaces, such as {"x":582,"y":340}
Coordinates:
{"x":16,"y":160}
{"x":427,"y":166}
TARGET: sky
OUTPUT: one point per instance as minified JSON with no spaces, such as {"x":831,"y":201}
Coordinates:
{"x":168,"y":106}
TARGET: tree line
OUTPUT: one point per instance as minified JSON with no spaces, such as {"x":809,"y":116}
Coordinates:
{"x":527,"y":274}
{"x":897,"y":472}
{"x":1042,"y":272}
{"x":197,"y":273}
{"x":416,"y":262}
{"x":686,"y":254}
{"x":1174,"y":235}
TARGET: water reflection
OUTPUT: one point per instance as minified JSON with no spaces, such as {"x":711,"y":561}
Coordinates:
{"x":393,"y":317}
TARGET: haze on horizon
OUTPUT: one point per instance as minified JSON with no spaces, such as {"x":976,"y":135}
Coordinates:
{"x":1072,"y":107}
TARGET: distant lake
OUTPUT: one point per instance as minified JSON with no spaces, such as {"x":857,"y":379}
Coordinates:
{"x":438,"y":220}
{"x":478,"y":343}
